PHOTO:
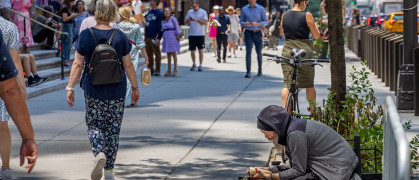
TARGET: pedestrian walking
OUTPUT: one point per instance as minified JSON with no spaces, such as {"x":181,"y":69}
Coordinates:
{"x":23,"y":24}
{"x":253,"y":19}
{"x":233,"y":37}
{"x":14,"y":99}
{"x":104,"y":99}
{"x":274,"y":33}
{"x":222,"y":33}
{"x":171,"y":41}
{"x":197,"y":19}
{"x":68,"y":23}
{"x":79,"y":19}
{"x":241,"y":30}
{"x":133,"y":32}
{"x":91,"y":21}
{"x":11,"y":39}
{"x":152,"y":25}
{"x":5,"y":13}
{"x":296,"y":26}
{"x":212,"y":29}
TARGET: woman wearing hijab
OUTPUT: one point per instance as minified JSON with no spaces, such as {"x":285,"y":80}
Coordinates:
{"x":315,"y":150}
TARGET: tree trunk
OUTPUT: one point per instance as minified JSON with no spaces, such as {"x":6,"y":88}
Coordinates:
{"x":337,"y":53}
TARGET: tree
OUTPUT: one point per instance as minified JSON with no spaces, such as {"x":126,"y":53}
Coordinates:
{"x":337,"y":53}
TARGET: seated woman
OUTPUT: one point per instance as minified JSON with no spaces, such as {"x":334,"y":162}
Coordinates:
{"x":29,"y":67}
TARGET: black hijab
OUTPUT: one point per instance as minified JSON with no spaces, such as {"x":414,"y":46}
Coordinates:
{"x":275,"y":118}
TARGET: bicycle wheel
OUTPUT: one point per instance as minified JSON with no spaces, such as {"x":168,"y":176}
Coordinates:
{"x":292,"y":104}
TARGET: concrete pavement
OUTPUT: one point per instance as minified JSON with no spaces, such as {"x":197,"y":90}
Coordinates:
{"x":199,"y":125}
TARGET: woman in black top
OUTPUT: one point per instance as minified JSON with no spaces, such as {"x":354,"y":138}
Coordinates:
{"x":68,"y":28}
{"x":296,"y":26}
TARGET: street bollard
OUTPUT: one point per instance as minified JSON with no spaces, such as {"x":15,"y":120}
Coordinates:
{"x":391,"y":70}
{"x":397,"y":63}
{"x":383,"y":47}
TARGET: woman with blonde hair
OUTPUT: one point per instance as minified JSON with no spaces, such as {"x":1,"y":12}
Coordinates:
{"x":133,"y":33}
{"x":104,"y":102}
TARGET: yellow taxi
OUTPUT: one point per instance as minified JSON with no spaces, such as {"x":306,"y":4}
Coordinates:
{"x":394,"y":22}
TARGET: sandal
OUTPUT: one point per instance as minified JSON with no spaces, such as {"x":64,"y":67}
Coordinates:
{"x":168,"y":74}
{"x":174,"y":74}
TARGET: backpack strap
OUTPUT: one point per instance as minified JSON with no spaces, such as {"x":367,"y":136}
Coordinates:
{"x":111,"y":38}
{"x":93,"y":35}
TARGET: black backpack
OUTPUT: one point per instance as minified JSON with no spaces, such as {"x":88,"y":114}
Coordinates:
{"x":105,"y":66}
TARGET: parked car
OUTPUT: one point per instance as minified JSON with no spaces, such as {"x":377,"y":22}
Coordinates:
{"x":372,"y":21}
{"x":394,"y":22}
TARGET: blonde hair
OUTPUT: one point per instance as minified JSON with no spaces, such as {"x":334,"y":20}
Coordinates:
{"x":125,"y":13}
{"x":106,"y":11}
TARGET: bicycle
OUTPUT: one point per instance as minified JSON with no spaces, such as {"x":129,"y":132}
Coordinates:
{"x":292,"y":105}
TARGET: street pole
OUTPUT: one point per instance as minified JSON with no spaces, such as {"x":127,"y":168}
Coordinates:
{"x":405,"y":93}
{"x":176,"y":9}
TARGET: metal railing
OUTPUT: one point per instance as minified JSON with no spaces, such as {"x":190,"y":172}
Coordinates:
{"x":49,"y":12}
{"x":25,"y":39}
{"x":396,"y":160}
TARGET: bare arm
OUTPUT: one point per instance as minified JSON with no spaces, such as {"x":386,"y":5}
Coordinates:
{"x":132,"y":77}
{"x":313,"y":29}
{"x":144,"y":52}
{"x":18,"y":64}
{"x":18,"y":110}
{"x":67,"y":17}
{"x":281,"y":28}
{"x":209,"y":22}
{"x":75,"y":74}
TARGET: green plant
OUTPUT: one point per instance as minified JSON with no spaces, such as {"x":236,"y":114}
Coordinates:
{"x":360,"y":115}
{"x":414,"y":146}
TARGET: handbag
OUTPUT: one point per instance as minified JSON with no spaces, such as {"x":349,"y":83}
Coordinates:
{"x":179,"y":36}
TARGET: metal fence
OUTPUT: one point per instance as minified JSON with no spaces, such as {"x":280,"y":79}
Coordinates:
{"x":396,"y":160}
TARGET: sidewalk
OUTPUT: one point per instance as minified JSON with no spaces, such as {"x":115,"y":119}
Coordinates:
{"x":199,"y":125}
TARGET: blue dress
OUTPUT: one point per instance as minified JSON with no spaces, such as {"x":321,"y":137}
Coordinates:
{"x":170,"y":29}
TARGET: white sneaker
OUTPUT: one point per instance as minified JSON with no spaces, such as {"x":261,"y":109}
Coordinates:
{"x":233,"y":56}
{"x":109,"y":175}
{"x":214,"y":55}
{"x":97,"y":170}
{"x":229,"y":55}
{"x":6,"y":174}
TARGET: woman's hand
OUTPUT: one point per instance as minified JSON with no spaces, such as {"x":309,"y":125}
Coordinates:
{"x":135,"y":95}
{"x":70,"y":98}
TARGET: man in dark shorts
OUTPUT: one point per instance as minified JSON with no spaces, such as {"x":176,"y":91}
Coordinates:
{"x":197,"y":19}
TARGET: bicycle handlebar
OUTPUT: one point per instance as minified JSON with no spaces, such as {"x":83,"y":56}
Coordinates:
{"x":278,"y":59}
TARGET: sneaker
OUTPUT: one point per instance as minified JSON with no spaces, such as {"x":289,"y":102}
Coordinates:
{"x":214,"y":55}
{"x":97,"y":171}
{"x":6,"y":174}
{"x":156,"y":73}
{"x":259,"y":73}
{"x":233,"y":56}
{"x":41,"y":79}
{"x":218,"y":60}
{"x":33,"y":81}
{"x":200,"y":68}
{"x":247,"y":75}
{"x":193,"y":67}
{"x":229,"y":55}
{"x":224,"y":61}
{"x":109,"y":175}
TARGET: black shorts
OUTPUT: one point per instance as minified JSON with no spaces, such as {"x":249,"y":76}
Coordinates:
{"x":196,"y":42}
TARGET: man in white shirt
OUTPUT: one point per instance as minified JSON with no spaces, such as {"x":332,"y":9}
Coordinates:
{"x":197,"y":19}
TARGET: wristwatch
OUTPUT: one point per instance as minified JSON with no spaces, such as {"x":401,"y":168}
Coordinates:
{"x":69,"y":88}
